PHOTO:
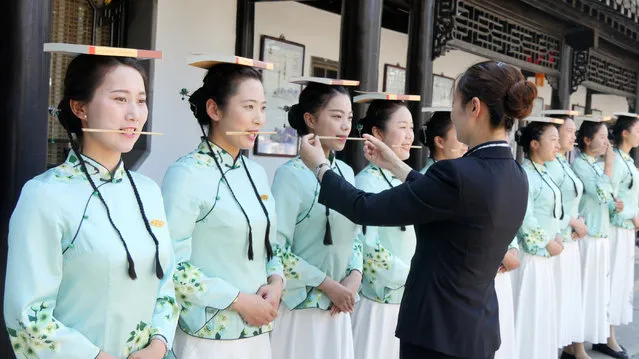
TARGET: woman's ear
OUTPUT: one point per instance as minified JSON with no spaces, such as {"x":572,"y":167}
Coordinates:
{"x":476,"y":107}
{"x":310,"y":121}
{"x":213,"y":110}
{"x":534,"y":145}
{"x":587,"y":141}
{"x":79,"y":110}
{"x":378,"y":134}
{"x":439,"y":142}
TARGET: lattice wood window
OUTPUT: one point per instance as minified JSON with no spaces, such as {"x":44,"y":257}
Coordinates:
{"x":609,"y":74}
{"x":76,"y":22}
{"x":605,"y":10}
{"x":500,"y":34}
{"x":321,"y":67}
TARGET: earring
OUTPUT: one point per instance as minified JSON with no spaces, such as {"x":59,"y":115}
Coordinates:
{"x":85,"y":116}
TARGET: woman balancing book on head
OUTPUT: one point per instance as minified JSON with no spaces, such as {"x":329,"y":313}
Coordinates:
{"x":90,"y":265}
{"x":466,"y":212}
{"x":592,"y":140}
{"x":387,"y":250}
{"x":322,"y":254}
{"x":540,"y":240}
{"x":623,"y":226}
{"x":567,"y":266}
{"x":222,"y":219}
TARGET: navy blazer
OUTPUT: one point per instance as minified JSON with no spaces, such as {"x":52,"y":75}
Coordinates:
{"x":466,"y":211}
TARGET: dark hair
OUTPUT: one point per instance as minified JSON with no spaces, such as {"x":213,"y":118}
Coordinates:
{"x":588,"y":129}
{"x":438,"y":125}
{"x":378,"y":114}
{"x":623,"y":123}
{"x":219,"y":84}
{"x":84,"y":75}
{"x":502,"y":88}
{"x":312,"y":99}
{"x":532,"y":132}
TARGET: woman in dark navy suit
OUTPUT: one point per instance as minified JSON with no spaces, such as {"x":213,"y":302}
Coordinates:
{"x":466,"y":211}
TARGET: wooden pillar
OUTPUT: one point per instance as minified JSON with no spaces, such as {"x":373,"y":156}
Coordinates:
{"x":361,"y":29}
{"x":245,"y":28}
{"x":588,"y":105}
{"x":139,"y":33}
{"x":24,"y":94}
{"x":561,"y":95}
{"x":419,"y":69}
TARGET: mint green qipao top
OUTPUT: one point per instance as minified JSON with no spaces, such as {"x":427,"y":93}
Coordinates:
{"x":211,"y":239}
{"x":594,"y":205}
{"x":301,"y":227}
{"x":68,"y":292}
{"x":387,"y":250}
{"x":544,"y":211}
{"x":571,"y":191}
{"x":625,"y":185}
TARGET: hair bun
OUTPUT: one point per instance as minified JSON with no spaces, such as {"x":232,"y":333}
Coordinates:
{"x":197,"y":101}
{"x":295,"y":118}
{"x":518,"y":103}
{"x":518,"y":137}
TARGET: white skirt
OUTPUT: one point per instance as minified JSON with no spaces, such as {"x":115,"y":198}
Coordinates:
{"x":622,"y":275}
{"x":570,"y":326}
{"x":595,"y":253}
{"x":311,"y":334}
{"x":190,"y":347}
{"x":504,"y":290}
{"x":535,"y":309}
{"x":374,"y":327}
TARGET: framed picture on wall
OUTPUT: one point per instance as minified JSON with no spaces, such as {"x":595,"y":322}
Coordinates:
{"x":394,"y":79}
{"x":288,"y":61}
{"x":442,"y":90}
{"x":581,"y":109}
{"x":538,"y":106}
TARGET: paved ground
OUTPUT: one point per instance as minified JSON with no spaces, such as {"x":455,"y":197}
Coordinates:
{"x":628,"y":335}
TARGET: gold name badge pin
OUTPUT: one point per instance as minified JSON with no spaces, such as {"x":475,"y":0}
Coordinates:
{"x":157,"y":223}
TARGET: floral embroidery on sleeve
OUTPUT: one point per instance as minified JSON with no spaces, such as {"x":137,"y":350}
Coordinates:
{"x":187,"y":284}
{"x":532,"y":240}
{"x":139,"y":338}
{"x":379,"y":259}
{"x":289,"y":262}
{"x":35,"y":335}
{"x":170,"y":302}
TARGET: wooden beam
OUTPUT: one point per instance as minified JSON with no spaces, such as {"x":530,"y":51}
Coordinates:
{"x":607,"y":90}
{"x":480,"y":51}
{"x":567,"y":13}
